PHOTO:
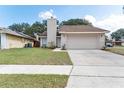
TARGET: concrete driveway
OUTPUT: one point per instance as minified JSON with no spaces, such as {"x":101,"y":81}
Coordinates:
{"x":96,"y":68}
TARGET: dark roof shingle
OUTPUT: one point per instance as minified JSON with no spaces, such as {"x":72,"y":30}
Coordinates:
{"x":80,"y":28}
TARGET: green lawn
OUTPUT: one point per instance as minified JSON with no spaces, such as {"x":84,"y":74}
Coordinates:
{"x":117,"y":50}
{"x":32,"y":81}
{"x":34,"y":56}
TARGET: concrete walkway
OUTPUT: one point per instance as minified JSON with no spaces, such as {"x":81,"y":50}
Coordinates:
{"x":35,"y":69}
{"x":59,"y":50}
{"x":96,"y":68}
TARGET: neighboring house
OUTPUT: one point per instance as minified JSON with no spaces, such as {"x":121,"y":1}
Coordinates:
{"x":122,"y":41}
{"x":73,"y":36}
{"x":12,"y":39}
{"x":119,"y":42}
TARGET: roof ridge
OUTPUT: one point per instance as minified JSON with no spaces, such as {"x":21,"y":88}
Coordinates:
{"x":81,"y":28}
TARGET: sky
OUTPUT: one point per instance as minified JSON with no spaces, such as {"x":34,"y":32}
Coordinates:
{"x":109,"y":17}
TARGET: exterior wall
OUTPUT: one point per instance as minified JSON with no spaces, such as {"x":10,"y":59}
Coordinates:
{"x":43,"y":41}
{"x":101,"y":40}
{"x":63,"y":40}
{"x":58,"y":42}
{"x":51,"y":31}
{"x":3,"y":41}
{"x":83,"y":41}
{"x":17,"y":42}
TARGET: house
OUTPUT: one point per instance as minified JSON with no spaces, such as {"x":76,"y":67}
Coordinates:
{"x":51,"y":36}
{"x":12,"y":39}
{"x":73,"y":36}
{"x":82,"y":37}
{"x":122,"y":39}
{"x":118,"y":42}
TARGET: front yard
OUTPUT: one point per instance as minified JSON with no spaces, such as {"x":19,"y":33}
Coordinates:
{"x":34,"y":56}
{"x":32,"y":81}
{"x":117,"y":50}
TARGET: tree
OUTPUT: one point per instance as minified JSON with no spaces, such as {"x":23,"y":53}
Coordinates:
{"x":76,"y":22}
{"x":36,"y":27}
{"x":45,"y":22}
{"x":25,"y":26}
{"x":19,"y":27}
{"x":118,"y":34}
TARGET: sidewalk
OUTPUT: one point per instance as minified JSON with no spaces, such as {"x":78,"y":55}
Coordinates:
{"x":35,"y":69}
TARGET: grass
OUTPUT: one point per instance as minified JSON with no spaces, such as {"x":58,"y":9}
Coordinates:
{"x":34,"y":56}
{"x":32,"y":81}
{"x":117,"y":50}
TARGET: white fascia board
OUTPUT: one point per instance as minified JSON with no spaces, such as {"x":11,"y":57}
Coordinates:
{"x":80,"y":32}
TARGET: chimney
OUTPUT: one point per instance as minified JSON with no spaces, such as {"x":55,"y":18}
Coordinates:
{"x":51,"y":32}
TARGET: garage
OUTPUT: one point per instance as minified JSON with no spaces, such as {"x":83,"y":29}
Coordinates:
{"x":82,"y":41}
{"x":82,"y":37}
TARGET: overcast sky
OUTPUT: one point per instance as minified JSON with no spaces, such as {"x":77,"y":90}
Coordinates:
{"x":107,"y":17}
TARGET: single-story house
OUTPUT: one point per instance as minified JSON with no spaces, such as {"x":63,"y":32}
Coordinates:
{"x":73,"y":36}
{"x":119,"y":42}
{"x":122,"y":43}
{"x":82,"y":37}
{"x":12,"y":39}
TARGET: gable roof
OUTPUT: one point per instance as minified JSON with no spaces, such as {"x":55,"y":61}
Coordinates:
{"x":19,"y":34}
{"x":80,"y":29}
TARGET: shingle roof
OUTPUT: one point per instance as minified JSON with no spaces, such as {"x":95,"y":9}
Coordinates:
{"x":20,"y":34}
{"x":44,"y":33}
{"x":80,"y":28}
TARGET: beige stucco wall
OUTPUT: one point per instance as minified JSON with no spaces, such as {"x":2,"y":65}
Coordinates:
{"x":101,"y":40}
{"x":17,"y":42}
{"x":63,"y":40}
{"x":83,"y":41}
